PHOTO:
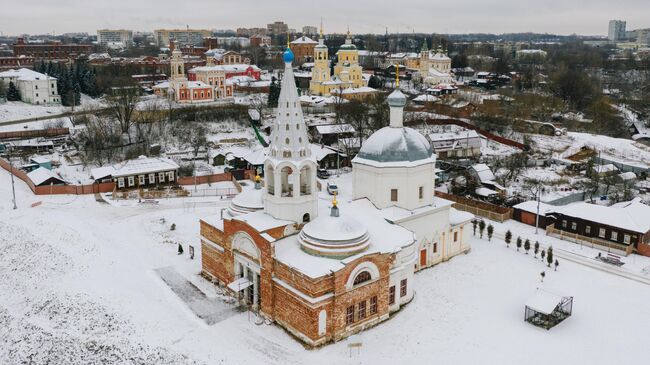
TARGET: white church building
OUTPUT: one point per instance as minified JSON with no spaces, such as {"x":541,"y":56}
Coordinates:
{"x":324,"y":268}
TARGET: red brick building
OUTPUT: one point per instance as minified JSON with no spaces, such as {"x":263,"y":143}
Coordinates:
{"x":7,"y":63}
{"x":311,"y":268}
{"x":52,"y":50}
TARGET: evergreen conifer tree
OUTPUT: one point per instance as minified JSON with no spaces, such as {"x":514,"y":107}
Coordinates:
{"x":536,"y":248}
{"x":274,"y":93}
{"x":543,"y":254}
{"x":518,"y":243}
{"x":12,"y":92}
{"x":481,"y":227}
{"x":527,"y":245}
{"x":549,"y":256}
{"x":490,"y":231}
{"x":508,"y":238}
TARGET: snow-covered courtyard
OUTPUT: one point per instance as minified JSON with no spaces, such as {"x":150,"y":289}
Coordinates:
{"x":80,"y":284}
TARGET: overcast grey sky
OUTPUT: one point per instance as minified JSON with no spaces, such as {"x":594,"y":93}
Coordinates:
{"x":364,"y":16}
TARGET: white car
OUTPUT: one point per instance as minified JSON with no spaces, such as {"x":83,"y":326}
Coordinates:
{"x":332,"y":188}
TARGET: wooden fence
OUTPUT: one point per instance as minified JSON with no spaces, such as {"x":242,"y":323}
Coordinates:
{"x":51,"y":132}
{"x":108,"y":186}
{"x":589,"y":241}
{"x":483,"y":209}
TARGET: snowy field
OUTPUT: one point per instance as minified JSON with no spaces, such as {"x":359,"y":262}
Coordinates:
{"x":79,"y":284}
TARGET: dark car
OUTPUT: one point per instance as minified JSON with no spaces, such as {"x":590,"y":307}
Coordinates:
{"x":322,"y":174}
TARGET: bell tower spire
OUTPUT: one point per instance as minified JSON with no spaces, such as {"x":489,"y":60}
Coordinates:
{"x":290,"y":170}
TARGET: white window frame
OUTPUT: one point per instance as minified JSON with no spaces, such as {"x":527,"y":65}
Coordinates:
{"x":626,"y":239}
{"x":588,"y":229}
{"x":120,"y":182}
{"x":152,"y":178}
{"x":141,"y":180}
{"x":170,"y":176}
{"x":161,"y":177}
{"x":574,"y":226}
{"x":564,"y":223}
{"x":602,"y":233}
{"x":614,"y":236}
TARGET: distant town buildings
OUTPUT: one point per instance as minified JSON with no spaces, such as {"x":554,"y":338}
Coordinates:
{"x":34,"y":87}
{"x":118,"y":38}
{"x":309,"y":30}
{"x":51,"y":50}
{"x":179,"y":88}
{"x":616,"y":30}
{"x":277,"y":28}
{"x":162,"y":37}
{"x":249,"y":32}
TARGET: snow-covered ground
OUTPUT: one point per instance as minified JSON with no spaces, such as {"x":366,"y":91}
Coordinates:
{"x":624,"y":150}
{"x":79,"y":286}
{"x":16,"y":110}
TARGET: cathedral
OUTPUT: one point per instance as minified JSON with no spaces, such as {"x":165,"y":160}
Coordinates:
{"x":347,"y":71}
{"x":435,"y":67}
{"x":325,"y":268}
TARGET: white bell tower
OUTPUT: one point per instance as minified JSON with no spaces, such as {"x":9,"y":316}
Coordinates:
{"x":290,"y":170}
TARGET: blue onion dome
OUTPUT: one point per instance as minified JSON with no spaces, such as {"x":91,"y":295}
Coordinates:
{"x":396,"y":99}
{"x":288,"y":55}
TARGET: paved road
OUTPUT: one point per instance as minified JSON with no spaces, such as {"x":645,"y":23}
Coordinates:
{"x":209,"y":310}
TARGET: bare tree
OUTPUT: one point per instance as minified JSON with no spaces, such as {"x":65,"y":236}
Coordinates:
{"x":122,"y":104}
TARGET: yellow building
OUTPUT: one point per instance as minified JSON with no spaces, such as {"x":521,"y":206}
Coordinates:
{"x":348,"y":68}
{"x":347,"y":72}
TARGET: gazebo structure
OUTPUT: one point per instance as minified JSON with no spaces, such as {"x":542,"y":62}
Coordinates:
{"x":546,"y":309}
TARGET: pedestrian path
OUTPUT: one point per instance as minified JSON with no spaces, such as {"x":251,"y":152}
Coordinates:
{"x":210,"y":310}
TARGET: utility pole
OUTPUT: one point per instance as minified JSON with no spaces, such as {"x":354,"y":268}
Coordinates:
{"x":539,"y":193}
{"x":11,"y":170}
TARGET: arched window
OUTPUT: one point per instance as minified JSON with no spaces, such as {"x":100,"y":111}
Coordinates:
{"x":305,"y":218}
{"x":297,"y":126}
{"x":361,"y":278}
{"x":286,"y":141}
{"x":287,"y":127}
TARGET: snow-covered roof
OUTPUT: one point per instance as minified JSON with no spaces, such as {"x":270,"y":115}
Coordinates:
{"x":395,"y":146}
{"x":40,"y":159}
{"x":383,"y":237}
{"x":335,"y":128}
{"x":485,"y":192}
{"x":139,"y":166}
{"x":602,"y":169}
{"x":531,"y":207}
{"x":544,"y":301}
{"x":457,"y":217}
{"x":426,"y":98}
{"x":484,"y":173}
{"x":41,"y":175}
{"x":197,"y":85}
{"x":225,"y":68}
{"x":631,"y":216}
{"x":257,"y":157}
{"x":320,"y":152}
{"x":395,"y":214}
{"x":354,"y":90}
{"x":450,"y":136}
{"x":25,"y":74}
{"x":261,"y":221}
{"x":627,"y":175}
{"x":304,"y":40}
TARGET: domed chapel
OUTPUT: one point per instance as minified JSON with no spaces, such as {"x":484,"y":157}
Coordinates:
{"x":325,"y":269}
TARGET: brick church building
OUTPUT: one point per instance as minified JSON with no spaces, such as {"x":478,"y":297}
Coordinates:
{"x":309,"y":264}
